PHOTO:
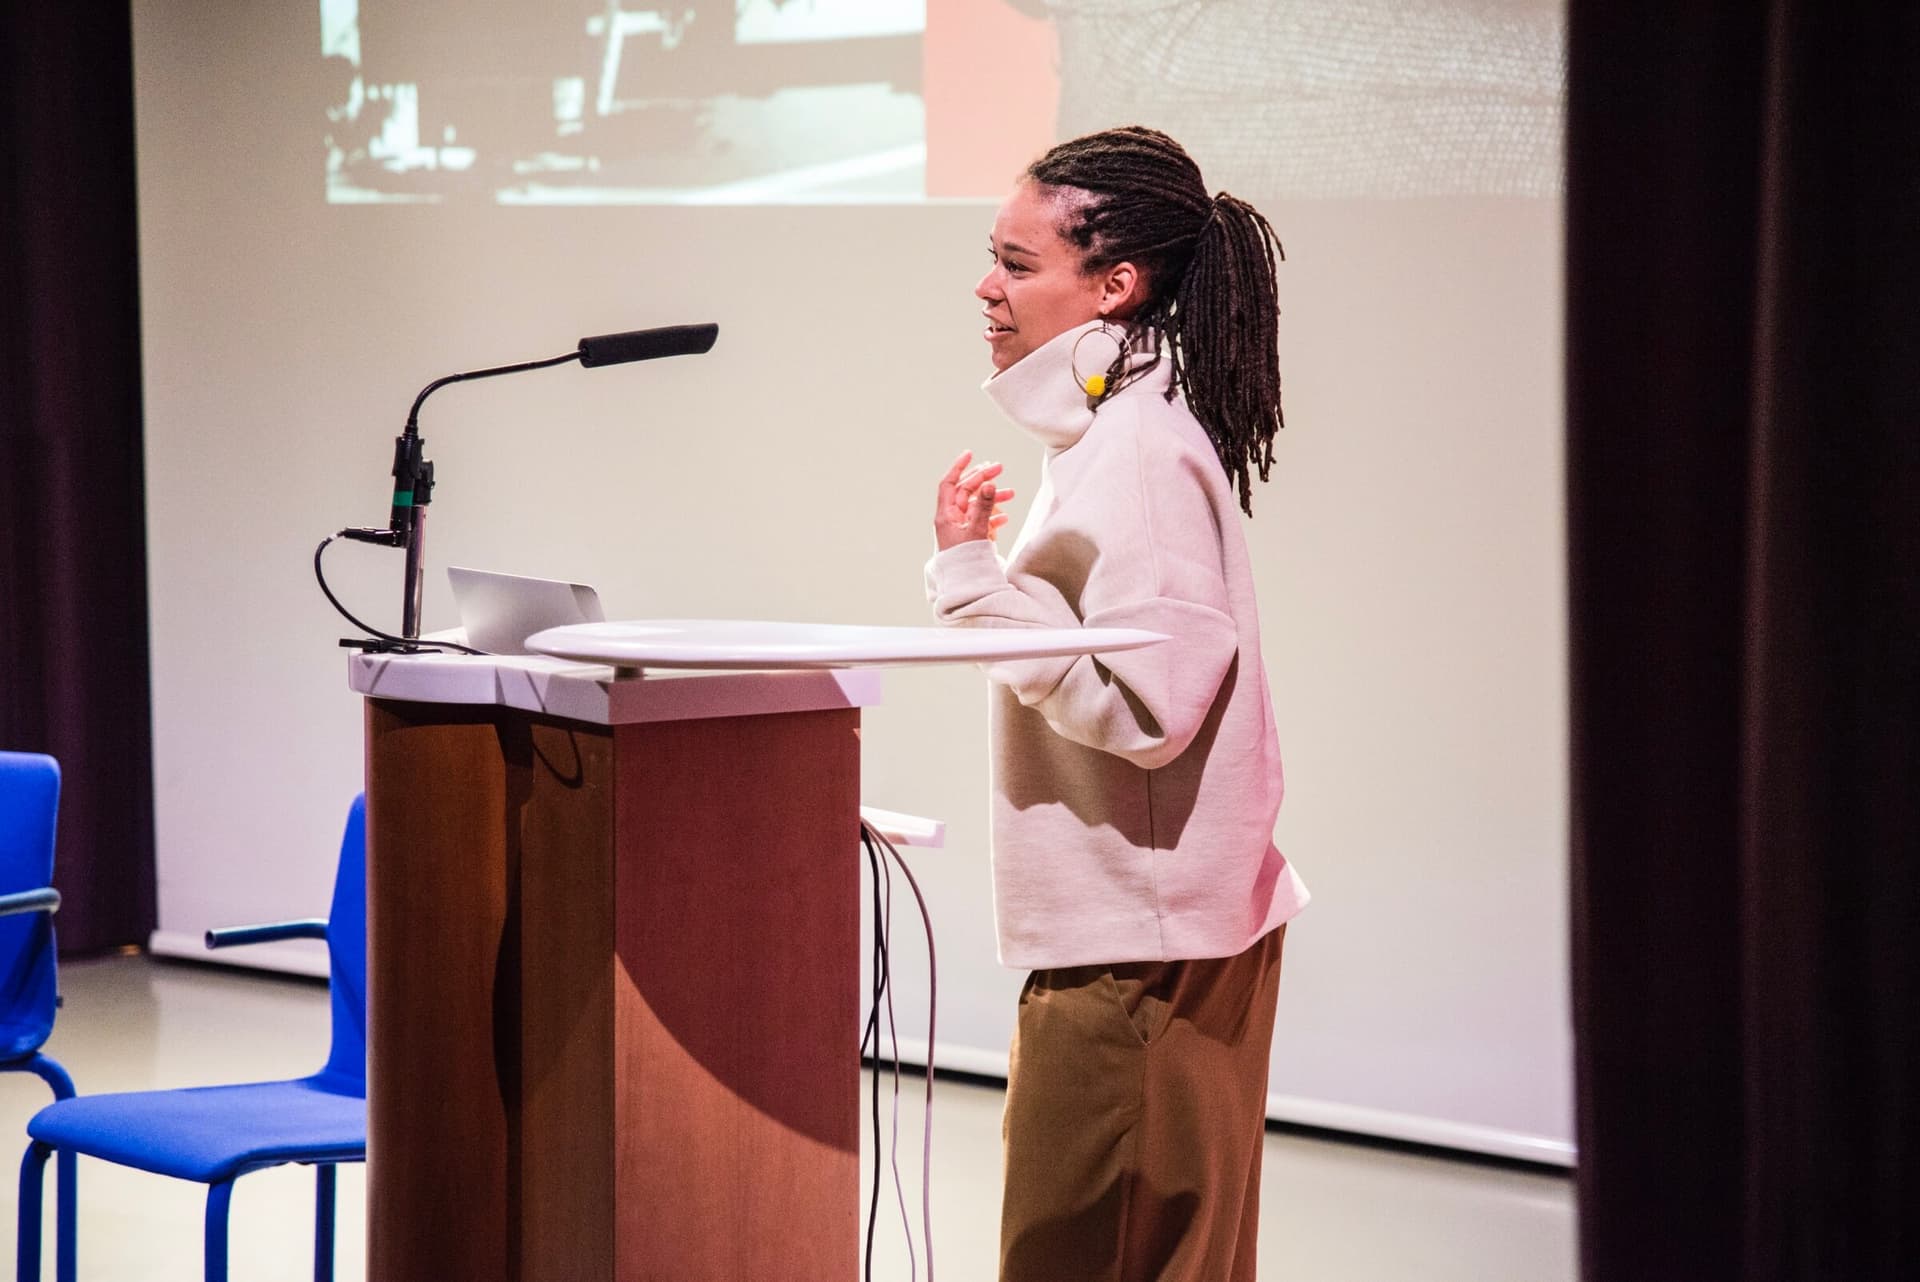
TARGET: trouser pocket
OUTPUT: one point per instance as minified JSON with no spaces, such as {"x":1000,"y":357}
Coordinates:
{"x":1140,"y":991}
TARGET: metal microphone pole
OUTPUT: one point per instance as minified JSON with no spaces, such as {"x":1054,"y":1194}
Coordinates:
{"x":413,"y":487}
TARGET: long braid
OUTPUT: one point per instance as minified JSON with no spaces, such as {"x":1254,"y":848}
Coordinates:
{"x":1226,"y":343}
{"x":1134,"y":195}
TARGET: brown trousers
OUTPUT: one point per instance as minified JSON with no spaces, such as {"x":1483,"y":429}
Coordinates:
{"x":1136,"y":1111}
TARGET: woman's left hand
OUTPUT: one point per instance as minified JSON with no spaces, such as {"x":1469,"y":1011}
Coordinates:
{"x":968,"y":503}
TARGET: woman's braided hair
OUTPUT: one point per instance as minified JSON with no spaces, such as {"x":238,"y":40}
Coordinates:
{"x":1134,"y":195}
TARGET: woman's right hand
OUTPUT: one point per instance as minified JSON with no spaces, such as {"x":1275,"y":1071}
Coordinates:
{"x":968,"y":504}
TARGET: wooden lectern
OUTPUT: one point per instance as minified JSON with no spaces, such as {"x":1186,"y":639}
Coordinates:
{"x":613,"y":971}
{"x":613,"y":948}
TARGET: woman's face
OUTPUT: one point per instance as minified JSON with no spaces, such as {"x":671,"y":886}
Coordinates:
{"x":1035,"y":289}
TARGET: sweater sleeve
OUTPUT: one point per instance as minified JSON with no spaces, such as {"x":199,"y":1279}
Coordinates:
{"x":1122,"y":553}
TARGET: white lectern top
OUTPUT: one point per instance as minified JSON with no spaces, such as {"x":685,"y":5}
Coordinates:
{"x":678,"y":669}
{"x":755,"y":643}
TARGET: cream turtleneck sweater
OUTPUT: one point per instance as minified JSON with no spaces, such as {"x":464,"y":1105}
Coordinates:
{"x":1134,"y":793}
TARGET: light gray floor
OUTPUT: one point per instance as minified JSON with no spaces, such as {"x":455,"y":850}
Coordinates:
{"x":1330,"y":1212}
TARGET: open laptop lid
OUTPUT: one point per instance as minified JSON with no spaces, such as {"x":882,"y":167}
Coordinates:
{"x":500,"y":611}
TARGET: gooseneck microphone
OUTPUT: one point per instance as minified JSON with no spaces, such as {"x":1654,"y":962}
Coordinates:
{"x":413,"y":472}
{"x":603,"y":349}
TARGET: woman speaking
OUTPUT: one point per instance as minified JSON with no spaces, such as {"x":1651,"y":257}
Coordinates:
{"x":1132,"y":320}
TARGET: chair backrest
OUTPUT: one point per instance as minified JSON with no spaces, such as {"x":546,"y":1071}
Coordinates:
{"x":29,"y":803}
{"x":347,"y":956}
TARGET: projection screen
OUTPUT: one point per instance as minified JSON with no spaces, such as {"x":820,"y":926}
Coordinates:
{"x":340,"y":202}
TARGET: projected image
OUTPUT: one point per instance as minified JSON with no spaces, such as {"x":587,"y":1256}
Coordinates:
{"x":796,"y":101}
{"x":624,"y":102}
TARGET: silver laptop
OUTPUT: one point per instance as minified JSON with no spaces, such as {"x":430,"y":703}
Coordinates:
{"x":500,"y":611}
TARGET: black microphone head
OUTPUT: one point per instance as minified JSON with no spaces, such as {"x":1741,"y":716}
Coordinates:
{"x":647,"y":344}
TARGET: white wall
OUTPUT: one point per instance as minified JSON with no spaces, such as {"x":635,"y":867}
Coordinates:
{"x":1409,"y":550}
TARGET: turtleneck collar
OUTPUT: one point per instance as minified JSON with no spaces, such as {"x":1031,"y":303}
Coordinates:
{"x":1042,"y":395}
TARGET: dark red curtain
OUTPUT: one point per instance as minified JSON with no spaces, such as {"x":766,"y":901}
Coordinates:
{"x":1743,"y":481}
{"x":73,"y":611}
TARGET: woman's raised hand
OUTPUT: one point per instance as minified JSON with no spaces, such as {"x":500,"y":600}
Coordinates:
{"x":969,"y":503}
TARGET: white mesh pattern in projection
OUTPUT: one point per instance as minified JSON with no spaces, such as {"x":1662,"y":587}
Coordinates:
{"x":1329,"y":98}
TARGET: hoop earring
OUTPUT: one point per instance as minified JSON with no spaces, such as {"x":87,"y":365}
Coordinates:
{"x":1095,"y":385}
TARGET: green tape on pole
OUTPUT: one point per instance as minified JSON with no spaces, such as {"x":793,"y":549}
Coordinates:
{"x":403,"y":498}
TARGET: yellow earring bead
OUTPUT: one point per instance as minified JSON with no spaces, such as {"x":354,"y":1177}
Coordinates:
{"x":1097,"y":385}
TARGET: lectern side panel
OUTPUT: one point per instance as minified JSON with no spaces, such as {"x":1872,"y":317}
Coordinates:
{"x":736,"y":992}
{"x":565,"y":1175}
{"x":437,"y":881}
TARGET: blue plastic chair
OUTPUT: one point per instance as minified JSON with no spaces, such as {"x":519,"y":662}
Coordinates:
{"x":215,"y":1134}
{"x":29,"y":804}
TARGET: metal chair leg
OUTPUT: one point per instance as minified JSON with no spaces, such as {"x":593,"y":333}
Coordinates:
{"x":219,"y":1202}
{"x":66,"y":1213}
{"x":51,"y":1072}
{"x":323,"y":1203}
{"x":33,"y":1173}
{"x":66,"y":1176}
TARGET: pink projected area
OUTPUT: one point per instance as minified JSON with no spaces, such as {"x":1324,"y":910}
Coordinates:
{"x":992,"y":89}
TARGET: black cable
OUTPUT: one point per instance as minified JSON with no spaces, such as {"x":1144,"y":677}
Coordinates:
{"x":926,"y":1160}
{"x":883,"y":968}
{"x":881,"y":974}
{"x":373,"y":632}
{"x":893,"y":1043}
{"x":874,"y":842}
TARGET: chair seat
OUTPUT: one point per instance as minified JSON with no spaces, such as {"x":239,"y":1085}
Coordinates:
{"x":211,"y":1133}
